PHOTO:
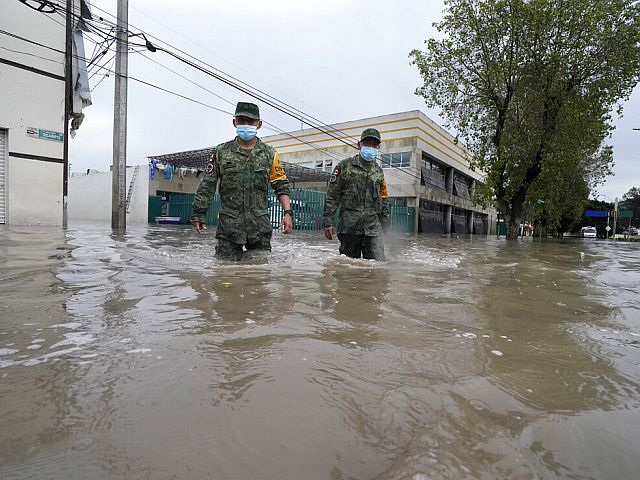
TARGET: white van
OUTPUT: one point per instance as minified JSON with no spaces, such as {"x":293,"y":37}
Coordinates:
{"x":589,"y":232}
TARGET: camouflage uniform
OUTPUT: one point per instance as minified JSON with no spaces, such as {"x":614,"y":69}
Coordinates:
{"x":360,"y":190}
{"x":244,"y":177}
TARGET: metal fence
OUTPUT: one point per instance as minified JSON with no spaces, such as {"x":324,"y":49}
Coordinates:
{"x":403,"y":219}
{"x":181,"y":205}
{"x":307,"y":205}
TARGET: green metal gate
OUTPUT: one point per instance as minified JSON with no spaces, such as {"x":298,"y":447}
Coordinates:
{"x":403,"y":219}
{"x":307,"y":206}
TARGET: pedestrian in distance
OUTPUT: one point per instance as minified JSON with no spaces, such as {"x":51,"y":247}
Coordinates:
{"x":357,"y":186}
{"x":243,"y":168}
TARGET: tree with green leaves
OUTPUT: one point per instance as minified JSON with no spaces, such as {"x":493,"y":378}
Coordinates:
{"x":631,"y":201}
{"x":530,"y":86}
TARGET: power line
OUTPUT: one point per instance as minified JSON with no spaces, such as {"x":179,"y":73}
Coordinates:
{"x":275,"y":127}
{"x":284,"y":107}
{"x":246,"y":88}
{"x":280,"y":105}
{"x":213,"y":53}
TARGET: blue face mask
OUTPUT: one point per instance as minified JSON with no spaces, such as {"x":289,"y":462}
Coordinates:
{"x":368,"y":153}
{"x":246,"y":132}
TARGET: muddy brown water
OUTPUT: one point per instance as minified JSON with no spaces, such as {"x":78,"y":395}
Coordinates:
{"x":140,"y":356}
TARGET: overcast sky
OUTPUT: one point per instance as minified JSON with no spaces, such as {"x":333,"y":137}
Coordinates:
{"x":337,"y":60}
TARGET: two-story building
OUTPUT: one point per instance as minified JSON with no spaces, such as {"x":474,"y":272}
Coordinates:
{"x":425,"y":167}
{"x":34,"y":90}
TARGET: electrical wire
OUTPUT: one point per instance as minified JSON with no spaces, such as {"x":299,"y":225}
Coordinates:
{"x":267,"y":99}
{"x":213,"y":53}
{"x":274,"y":127}
{"x":283,"y":107}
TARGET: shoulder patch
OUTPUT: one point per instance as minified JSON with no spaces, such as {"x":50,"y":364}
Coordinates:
{"x":212,"y":164}
{"x":336,"y":173}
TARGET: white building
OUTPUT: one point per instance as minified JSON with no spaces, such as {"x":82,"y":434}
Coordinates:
{"x":424,"y":167}
{"x":32,"y":111}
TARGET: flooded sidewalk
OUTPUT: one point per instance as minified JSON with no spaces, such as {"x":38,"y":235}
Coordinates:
{"x":140,"y":356}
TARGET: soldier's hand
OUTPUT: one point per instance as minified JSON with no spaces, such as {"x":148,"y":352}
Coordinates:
{"x":287,"y":224}
{"x":199,"y":226}
{"x":330,"y":232}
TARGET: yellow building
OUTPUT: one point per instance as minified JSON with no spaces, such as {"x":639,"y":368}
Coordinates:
{"x":424,"y":167}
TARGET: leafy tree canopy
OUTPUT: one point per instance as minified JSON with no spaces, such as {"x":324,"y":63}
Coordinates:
{"x":530,"y":85}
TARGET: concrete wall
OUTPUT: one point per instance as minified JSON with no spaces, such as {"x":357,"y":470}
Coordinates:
{"x":32,"y":99}
{"x":90,"y":196}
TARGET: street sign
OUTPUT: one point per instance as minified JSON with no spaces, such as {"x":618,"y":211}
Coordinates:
{"x":596,"y":213}
{"x":45,"y":134}
{"x":608,"y":228}
{"x":625,"y":214}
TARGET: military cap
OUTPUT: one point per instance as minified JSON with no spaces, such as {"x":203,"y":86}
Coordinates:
{"x":371,"y":133}
{"x":249,"y":110}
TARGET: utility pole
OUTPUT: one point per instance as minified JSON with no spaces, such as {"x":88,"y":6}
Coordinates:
{"x":68,"y":93}
{"x":615,"y":218}
{"x":119,"y":169}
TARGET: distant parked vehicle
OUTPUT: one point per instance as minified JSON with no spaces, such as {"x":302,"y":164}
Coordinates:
{"x":589,"y":232}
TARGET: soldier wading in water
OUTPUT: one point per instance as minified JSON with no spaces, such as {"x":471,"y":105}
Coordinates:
{"x":358,"y":187}
{"x":244,"y":167}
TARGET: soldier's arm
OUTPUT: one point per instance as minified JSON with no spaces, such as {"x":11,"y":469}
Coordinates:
{"x":280,"y":185}
{"x":334,"y":195}
{"x":206,"y":191}
{"x":385,"y":214}
{"x":278,"y":179}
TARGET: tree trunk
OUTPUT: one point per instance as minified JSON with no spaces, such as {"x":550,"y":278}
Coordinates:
{"x":513,"y":216}
{"x":540,"y":230}
{"x":513,"y":228}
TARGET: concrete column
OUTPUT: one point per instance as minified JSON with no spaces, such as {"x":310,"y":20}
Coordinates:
{"x":447,"y":219}
{"x":470,"y":221}
{"x":449,"y":180}
{"x":417,"y":159}
{"x":416,"y":219}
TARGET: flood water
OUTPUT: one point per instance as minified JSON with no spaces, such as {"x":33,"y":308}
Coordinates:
{"x":139,"y":356}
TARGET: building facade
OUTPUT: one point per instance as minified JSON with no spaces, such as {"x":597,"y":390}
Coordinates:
{"x":33,"y":89}
{"x":424,"y":167}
